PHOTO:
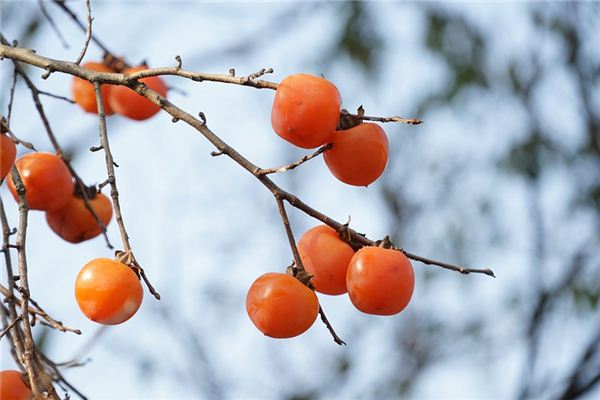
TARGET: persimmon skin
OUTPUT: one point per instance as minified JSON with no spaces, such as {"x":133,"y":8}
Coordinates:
{"x":359,"y":154}
{"x":13,"y":387}
{"x":108,"y":292}
{"x":8,"y":152}
{"x":326,"y":257}
{"x":380,"y":281}
{"x":84,"y":94}
{"x":48,"y":182}
{"x":75,"y":223}
{"x":127,"y":102}
{"x":306,"y":110}
{"x":280,"y":306}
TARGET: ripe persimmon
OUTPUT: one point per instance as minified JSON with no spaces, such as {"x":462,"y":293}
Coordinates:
{"x":306,"y":110}
{"x":84,"y":94}
{"x":280,"y":306}
{"x":359,"y":154}
{"x":127,"y":102}
{"x":48,"y":182}
{"x":326,"y":257}
{"x":13,"y":387}
{"x":8,"y":152}
{"x":380,"y":281}
{"x":108,"y":292}
{"x":75,"y":223}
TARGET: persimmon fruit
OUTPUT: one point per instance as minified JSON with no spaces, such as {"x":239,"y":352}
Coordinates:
{"x":13,"y":387}
{"x":127,"y":102}
{"x":380,"y":281}
{"x":326,"y":257}
{"x":108,"y":292}
{"x":48,"y":182}
{"x":8,"y":152}
{"x":358,"y":155}
{"x":84,"y":94}
{"x":280,"y":306}
{"x":75,"y":223}
{"x":306,"y":110}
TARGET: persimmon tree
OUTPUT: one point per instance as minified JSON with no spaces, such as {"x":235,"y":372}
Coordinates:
{"x":379,"y":277}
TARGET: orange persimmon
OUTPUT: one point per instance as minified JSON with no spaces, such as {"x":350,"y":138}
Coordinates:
{"x":84,"y":94}
{"x":380,"y":281}
{"x":359,"y":154}
{"x":75,"y":223}
{"x":306,"y":110}
{"x":48,"y":182}
{"x":13,"y":387}
{"x":127,"y":102}
{"x":326,"y":257}
{"x":108,"y":292}
{"x":280,"y":306}
{"x":8,"y":152}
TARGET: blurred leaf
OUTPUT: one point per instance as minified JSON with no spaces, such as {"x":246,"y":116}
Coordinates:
{"x":359,"y":39}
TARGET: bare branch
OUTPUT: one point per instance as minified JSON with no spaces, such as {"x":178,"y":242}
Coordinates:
{"x":29,"y":354}
{"x":88,"y":33}
{"x":110,"y":168}
{"x":295,"y":164}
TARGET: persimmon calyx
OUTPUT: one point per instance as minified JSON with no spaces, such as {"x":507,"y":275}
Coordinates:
{"x":303,"y":276}
{"x":385,"y":243}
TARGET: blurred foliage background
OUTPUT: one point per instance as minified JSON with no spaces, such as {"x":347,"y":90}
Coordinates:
{"x":505,"y":173}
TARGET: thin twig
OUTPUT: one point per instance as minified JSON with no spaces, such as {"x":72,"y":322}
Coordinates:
{"x":29,"y":345}
{"x":70,"y":13}
{"x":16,"y":334}
{"x":300,"y":267}
{"x":325,"y":320}
{"x":4,"y":127}
{"x":62,"y":39}
{"x":410,"y":121}
{"x":295,"y":164}
{"x":289,"y":234}
{"x":114,"y":193}
{"x":88,"y":32}
{"x":51,"y":321}
{"x":110,"y":168}
{"x":10,"y":326}
{"x":11,"y":96}
{"x":56,"y":96}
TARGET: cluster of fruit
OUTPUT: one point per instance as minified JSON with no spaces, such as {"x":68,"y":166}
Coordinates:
{"x":378,"y":281}
{"x":107,"y":291}
{"x":306,"y":112}
{"x":118,"y":99}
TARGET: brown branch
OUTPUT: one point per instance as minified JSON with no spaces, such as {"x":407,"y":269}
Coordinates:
{"x":16,"y":335}
{"x":110,"y":168}
{"x":299,"y":266}
{"x":56,"y":96}
{"x":61,"y":4}
{"x":38,"y":310}
{"x":114,"y":193}
{"x":295,"y":164}
{"x":11,"y":96}
{"x":29,"y":354}
{"x":299,"y":269}
{"x":5,"y":128}
{"x":88,"y":32}
{"x":410,"y":121}
{"x":10,"y":326}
